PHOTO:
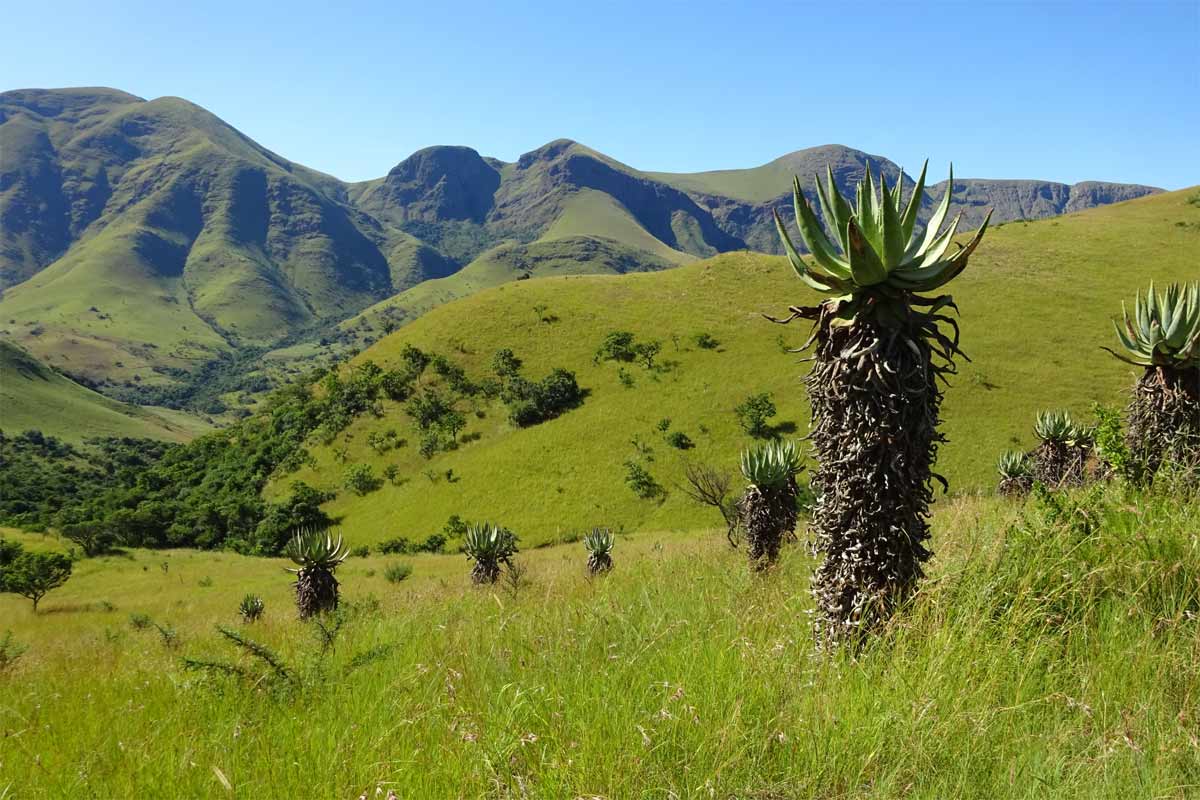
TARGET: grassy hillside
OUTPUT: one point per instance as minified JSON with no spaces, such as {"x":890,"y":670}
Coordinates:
{"x":1036,"y":302}
{"x":34,"y":396}
{"x":1042,"y":659}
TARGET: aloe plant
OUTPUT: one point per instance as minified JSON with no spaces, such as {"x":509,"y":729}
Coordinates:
{"x":768,"y":507}
{"x":1016,"y":473}
{"x":599,"y":543}
{"x":317,"y":554}
{"x":1061,"y":457}
{"x":882,"y":343}
{"x":1163,"y":338}
{"x":489,"y":546}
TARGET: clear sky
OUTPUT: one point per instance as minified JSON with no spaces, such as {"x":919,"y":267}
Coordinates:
{"x":1059,"y":91}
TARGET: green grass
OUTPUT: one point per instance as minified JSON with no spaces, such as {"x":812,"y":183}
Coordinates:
{"x":34,"y":396}
{"x":1039,"y":661}
{"x":1035,"y":301}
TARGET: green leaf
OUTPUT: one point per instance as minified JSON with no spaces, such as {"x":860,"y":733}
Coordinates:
{"x":864,"y":261}
{"x":814,"y":235}
{"x":799,"y":267}
{"x":909,"y":218}
{"x":893,"y":243}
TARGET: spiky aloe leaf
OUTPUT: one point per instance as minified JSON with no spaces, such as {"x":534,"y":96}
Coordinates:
{"x":1164,"y":330}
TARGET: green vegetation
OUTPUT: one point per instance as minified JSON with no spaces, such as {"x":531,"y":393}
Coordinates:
{"x":1055,"y":646}
{"x":31,"y":574}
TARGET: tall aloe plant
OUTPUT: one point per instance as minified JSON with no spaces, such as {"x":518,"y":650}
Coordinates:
{"x":1163,"y":338}
{"x":882,"y":343}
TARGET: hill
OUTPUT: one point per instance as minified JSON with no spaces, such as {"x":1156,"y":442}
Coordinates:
{"x":32,"y":396}
{"x":228,"y":247}
{"x":1036,"y":303}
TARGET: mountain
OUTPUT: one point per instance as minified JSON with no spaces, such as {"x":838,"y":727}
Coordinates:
{"x":568,"y":474}
{"x":32,"y":396}
{"x":142,"y":238}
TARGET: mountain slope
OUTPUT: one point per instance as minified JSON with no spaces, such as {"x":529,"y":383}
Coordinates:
{"x":183,"y":233}
{"x":35,"y":397}
{"x":139,"y":239}
{"x":1036,"y":303}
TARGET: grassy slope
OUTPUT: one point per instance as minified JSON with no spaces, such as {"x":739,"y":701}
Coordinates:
{"x":33,"y":396}
{"x":677,"y":676}
{"x":768,"y":181}
{"x":1035,"y":307}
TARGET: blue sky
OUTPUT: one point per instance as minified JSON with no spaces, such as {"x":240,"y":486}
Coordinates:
{"x":1059,"y":91}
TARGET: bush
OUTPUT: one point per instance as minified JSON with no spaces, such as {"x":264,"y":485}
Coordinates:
{"x":362,"y":551}
{"x":433,"y":544}
{"x":10,"y":651}
{"x":641,"y":482}
{"x":680,"y":440}
{"x":617,"y":346}
{"x":395,"y":573}
{"x":754,"y":413}
{"x":705,"y":341}
{"x":506,"y":364}
{"x":360,"y":478}
{"x":397,"y":546}
{"x":530,"y":403}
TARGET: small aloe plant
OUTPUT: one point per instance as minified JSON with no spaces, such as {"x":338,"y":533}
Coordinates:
{"x":251,"y":608}
{"x":489,"y":546}
{"x":1016,"y":473}
{"x":599,"y":545}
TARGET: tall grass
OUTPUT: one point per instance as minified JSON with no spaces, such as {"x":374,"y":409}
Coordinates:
{"x":1052,"y":654}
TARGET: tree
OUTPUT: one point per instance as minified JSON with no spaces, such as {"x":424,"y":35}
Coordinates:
{"x":754,"y":414}
{"x":881,"y":346}
{"x":506,"y":364}
{"x":92,"y":537}
{"x":646,"y":352}
{"x":707,"y":485}
{"x":32,"y":575}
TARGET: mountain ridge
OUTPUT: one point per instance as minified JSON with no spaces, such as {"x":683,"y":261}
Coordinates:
{"x":139,"y":238}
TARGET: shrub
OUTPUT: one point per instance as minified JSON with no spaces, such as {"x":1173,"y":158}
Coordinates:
{"x":530,"y":403}
{"x":617,"y":346}
{"x":362,"y":551}
{"x":705,"y":341}
{"x":10,"y":651}
{"x":506,"y":364}
{"x":435,"y":543}
{"x":139,"y":622}
{"x":360,"y":478}
{"x":680,"y":440}
{"x":641,"y":482}
{"x":395,"y":573}
{"x":754,"y":413}
{"x":397,"y":546}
